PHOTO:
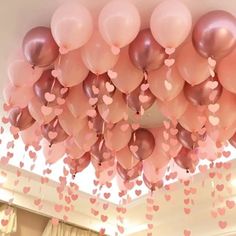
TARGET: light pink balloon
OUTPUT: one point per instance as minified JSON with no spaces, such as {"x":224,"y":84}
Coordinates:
{"x":118,"y":136}
{"x":77,"y":102}
{"x":107,"y":175}
{"x":157,"y":82}
{"x":17,"y":96}
{"x":70,"y":69}
{"x":226,"y":72}
{"x":54,"y":153}
{"x":72,"y":149}
{"x":187,"y":61}
{"x":128,"y":76}
{"x":92,"y":52}
{"x":72,"y":26}
{"x":114,"y":112}
{"x":170,"y":23}
{"x":119,"y":23}
{"x":174,"y":108}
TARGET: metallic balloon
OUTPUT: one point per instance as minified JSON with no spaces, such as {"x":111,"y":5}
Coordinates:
{"x":152,"y":186}
{"x":142,"y":143}
{"x":145,"y":53}
{"x":214,"y":34}
{"x":39,"y":47}
{"x":53,"y":132}
{"x":138,"y":99}
{"x":48,"y":84}
{"x":204,"y":93}
{"x":21,"y":118}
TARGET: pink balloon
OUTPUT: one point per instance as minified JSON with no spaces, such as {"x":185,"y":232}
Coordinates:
{"x":72,"y":26}
{"x":17,"y":96}
{"x":128,"y":76}
{"x":107,"y":175}
{"x":226,"y":72}
{"x":157,"y":82}
{"x":119,"y":23}
{"x":170,"y":23}
{"x":91,"y":54}
{"x":187,"y":61}
{"x":72,"y":149}
{"x":124,"y":185}
{"x":101,"y":166}
{"x":152,"y":173}
{"x":70,"y":69}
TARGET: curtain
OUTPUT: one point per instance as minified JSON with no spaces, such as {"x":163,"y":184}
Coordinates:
{"x":8,"y":220}
{"x":62,"y":229}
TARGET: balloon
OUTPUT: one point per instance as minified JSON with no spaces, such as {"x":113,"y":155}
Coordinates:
{"x":232,"y":140}
{"x":214,"y":34}
{"x":118,"y":136}
{"x":107,"y":175}
{"x":114,"y":112}
{"x":145,"y":53}
{"x":187,"y":61}
{"x":13,"y":95}
{"x":91,"y":54}
{"x":97,"y":123}
{"x":174,"y":108}
{"x":39,"y":47}
{"x":53,"y":132}
{"x":70,"y":69}
{"x":226,"y":71}
{"x":100,"y":152}
{"x":157,"y":83}
{"x":151,"y":185}
{"x":72,"y":26}
{"x":102,"y":166}
{"x":96,"y":86}
{"x":203,"y":93}
{"x":130,"y":174}
{"x":119,"y":23}
{"x":126,"y":159}
{"x":76,"y":96}
{"x":152,"y":173}
{"x":69,"y":123}
{"x":21,"y":118}
{"x":139,"y":99}
{"x":126,"y":71}
{"x":193,"y":119}
{"x":53,"y":153}
{"x":187,"y":159}
{"x":35,"y":110}
{"x":142,"y":143}
{"x":72,"y":149}
{"x":170,"y":23}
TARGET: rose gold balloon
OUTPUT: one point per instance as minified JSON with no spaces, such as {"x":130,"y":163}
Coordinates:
{"x":139,"y":98}
{"x":72,"y":149}
{"x":47,"y":84}
{"x":39,"y":47}
{"x":203,"y":94}
{"x":151,"y":185}
{"x":53,"y":132}
{"x":142,"y":143}
{"x":21,"y":118}
{"x":145,"y":53}
{"x":214,"y":34}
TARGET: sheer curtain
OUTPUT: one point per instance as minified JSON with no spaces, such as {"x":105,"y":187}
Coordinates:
{"x":8,"y":220}
{"x":62,"y":229}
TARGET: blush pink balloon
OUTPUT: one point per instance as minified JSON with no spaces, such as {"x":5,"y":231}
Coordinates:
{"x":70,"y":69}
{"x":128,"y":76}
{"x":157,"y":78}
{"x":72,"y":26}
{"x":91,"y":54}
{"x":187,"y":62}
{"x":170,"y":23}
{"x":119,"y":23}
{"x":226,"y":72}
{"x":72,"y":149}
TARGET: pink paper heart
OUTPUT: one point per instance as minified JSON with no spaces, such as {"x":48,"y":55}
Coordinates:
{"x":168,"y":85}
{"x":49,"y":97}
{"x":26,"y":190}
{"x":91,"y":113}
{"x":138,"y":192}
{"x":222,"y":224}
{"x":169,"y":62}
{"x":110,"y":87}
{"x":213,"y":107}
{"x":93,"y":101}
{"x":145,"y":87}
{"x":220,"y":187}
{"x":104,"y":218}
{"x":211,"y":62}
{"x":46,"y":110}
{"x":107,"y":100}
{"x":230,"y":204}
{"x":112,"y":74}
{"x":95,"y":89}
{"x":212,"y":84}
{"x":4,"y":222}
{"x":143,"y":98}
{"x":214,"y":120}
{"x":52,"y":135}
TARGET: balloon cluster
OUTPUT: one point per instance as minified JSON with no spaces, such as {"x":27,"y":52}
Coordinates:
{"x":75,"y":86}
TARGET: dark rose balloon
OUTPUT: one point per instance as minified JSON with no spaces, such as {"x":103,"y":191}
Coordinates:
{"x":98,"y":124}
{"x":48,"y":85}
{"x":139,"y":98}
{"x":145,"y":53}
{"x":53,"y":132}
{"x":187,"y":159}
{"x":39,"y":47}
{"x":152,"y":186}
{"x":142,"y":143}
{"x":232,"y":140}
{"x":214,"y":34}
{"x":203,"y":94}
{"x":95,"y":86}
{"x":130,"y":174}
{"x":21,"y":118}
